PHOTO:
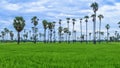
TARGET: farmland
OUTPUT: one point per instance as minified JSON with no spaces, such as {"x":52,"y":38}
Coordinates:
{"x":64,"y":55}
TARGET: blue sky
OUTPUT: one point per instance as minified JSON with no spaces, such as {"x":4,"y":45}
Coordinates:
{"x":53,"y":10}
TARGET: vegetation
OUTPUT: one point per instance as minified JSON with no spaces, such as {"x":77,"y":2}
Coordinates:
{"x":55,"y":55}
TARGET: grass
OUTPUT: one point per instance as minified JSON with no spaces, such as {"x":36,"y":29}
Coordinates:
{"x":77,"y":55}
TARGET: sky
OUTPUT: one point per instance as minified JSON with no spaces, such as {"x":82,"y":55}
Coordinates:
{"x":53,"y":10}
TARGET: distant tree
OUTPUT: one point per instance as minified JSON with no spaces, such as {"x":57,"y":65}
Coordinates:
{"x":90,"y":36}
{"x":100,"y":18}
{"x":7,"y":32}
{"x":11,"y":35}
{"x":68,"y":21}
{"x":73,"y":29}
{"x":66,"y":32}
{"x":50,"y":26}
{"x":94,"y":6}
{"x":19,"y":24}
{"x":35,"y":23}
{"x":54,"y":31}
{"x":107,"y":27}
{"x":60,"y":30}
{"x":86,"y":20}
{"x":3,"y":35}
{"x":45,"y":24}
{"x":81,"y":28}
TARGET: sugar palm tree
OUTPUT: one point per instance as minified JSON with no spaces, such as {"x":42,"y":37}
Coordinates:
{"x":35,"y":23}
{"x":19,"y":24}
{"x":107,"y":27}
{"x":81,"y":28}
{"x":68,"y":21}
{"x":50,"y":26}
{"x":94,"y":6}
{"x":3,"y":35}
{"x":6,"y":31}
{"x":11,"y":35}
{"x":66,"y":32}
{"x":73,"y":29}
{"x":86,"y":20}
{"x":100,"y":18}
{"x":60,"y":30}
{"x":45,"y":23}
{"x":54,"y":31}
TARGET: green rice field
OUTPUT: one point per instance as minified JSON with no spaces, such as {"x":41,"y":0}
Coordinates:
{"x":55,"y":55}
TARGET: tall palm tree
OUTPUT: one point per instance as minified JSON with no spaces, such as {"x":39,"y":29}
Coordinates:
{"x":94,"y":6}
{"x":86,"y":20}
{"x":81,"y":28}
{"x":60,"y":30}
{"x":35,"y":23}
{"x":100,"y":18}
{"x":73,"y":29}
{"x":50,"y":26}
{"x":68,"y":21}
{"x":107,"y":27}
{"x":19,"y":24}
{"x":45,"y":24}
{"x":54,"y":30}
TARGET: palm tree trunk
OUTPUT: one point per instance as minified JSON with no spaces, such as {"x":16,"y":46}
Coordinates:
{"x":94,"y":30}
{"x":107,"y":35}
{"x":44,"y":35}
{"x":18,"y":38}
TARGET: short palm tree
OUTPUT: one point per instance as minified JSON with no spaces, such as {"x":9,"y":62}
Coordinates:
{"x":45,"y":24}
{"x":94,"y":6}
{"x":11,"y":35}
{"x":66,"y":32}
{"x":6,"y":31}
{"x":60,"y":30}
{"x":54,"y":31}
{"x":86,"y":20}
{"x":19,"y":24}
{"x":100,"y":18}
{"x":35,"y":23}
{"x":107,"y":27}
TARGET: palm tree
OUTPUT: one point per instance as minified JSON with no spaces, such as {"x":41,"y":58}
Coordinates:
{"x":100,"y":17}
{"x":35,"y":23}
{"x":6,"y":31}
{"x":50,"y":26}
{"x":73,"y":29}
{"x":60,"y":30}
{"x":66,"y":32}
{"x":90,"y":36}
{"x":54,"y":30}
{"x":11,"y":35}
{"x":86,"y":20}
{"x":3,"y":35}
{"x":94,"y":6}
{"x":19,"y":24}
{"x":44,"y":22}
{"x":81,"y":28}
{"x":68,"y":21}
{"x":107,"y":27}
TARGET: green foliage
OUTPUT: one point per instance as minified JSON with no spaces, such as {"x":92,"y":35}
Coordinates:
{"x":55,"y":55}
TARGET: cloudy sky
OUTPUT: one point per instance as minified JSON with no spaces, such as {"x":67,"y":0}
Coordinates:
{"x":53,"y":10}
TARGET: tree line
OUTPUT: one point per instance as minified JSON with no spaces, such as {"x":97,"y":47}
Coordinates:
{"x":49,"y":27}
